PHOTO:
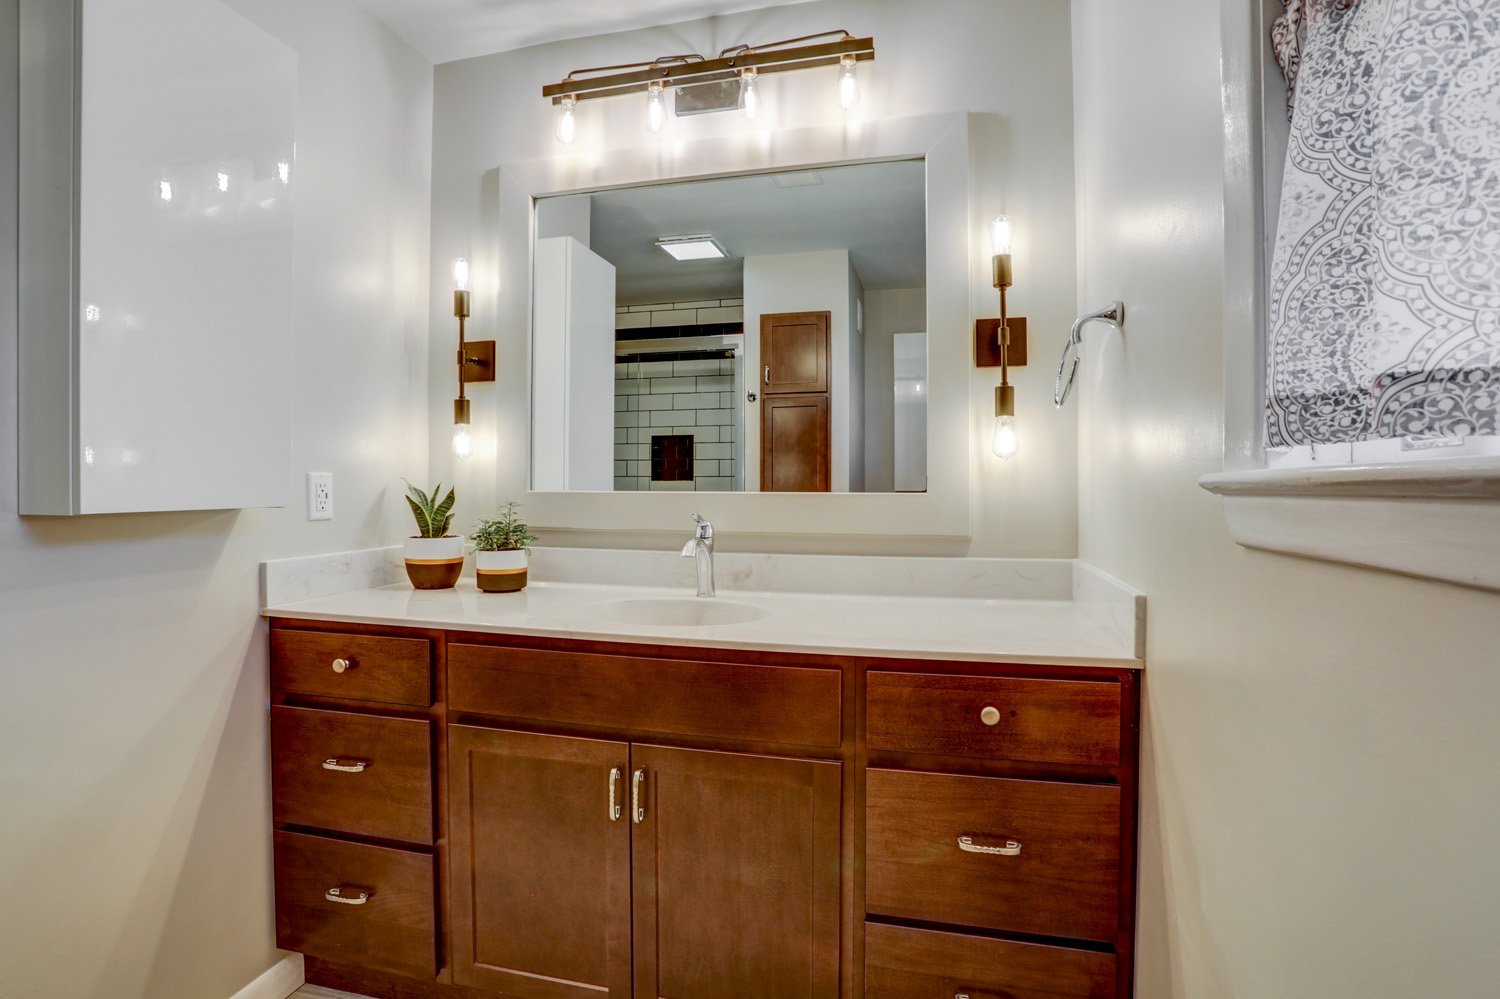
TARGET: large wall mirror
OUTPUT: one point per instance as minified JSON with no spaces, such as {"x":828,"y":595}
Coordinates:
{"x":836,"y":256}
{"x":756,"y":333}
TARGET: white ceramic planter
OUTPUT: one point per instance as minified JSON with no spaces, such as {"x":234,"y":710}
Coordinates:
{"x":434,"y":563}
{"x":501,"y":572}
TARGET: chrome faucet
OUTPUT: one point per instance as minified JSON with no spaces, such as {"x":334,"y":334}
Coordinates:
{"x":701,"y":548}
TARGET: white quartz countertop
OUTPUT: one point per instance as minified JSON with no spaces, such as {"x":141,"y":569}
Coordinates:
{"x":1089,"y":629}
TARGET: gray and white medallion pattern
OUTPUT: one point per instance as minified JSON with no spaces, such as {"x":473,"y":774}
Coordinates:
{"x":1385,"y":281}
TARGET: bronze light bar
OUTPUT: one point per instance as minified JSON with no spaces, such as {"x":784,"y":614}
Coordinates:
{"x":688,"y":69}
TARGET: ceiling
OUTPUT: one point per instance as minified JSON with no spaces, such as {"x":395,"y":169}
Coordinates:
{"x":875,"y":210}
{"x":444,"y":30}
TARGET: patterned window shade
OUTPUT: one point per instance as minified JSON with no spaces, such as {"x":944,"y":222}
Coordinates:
{"x":1385,"y":278}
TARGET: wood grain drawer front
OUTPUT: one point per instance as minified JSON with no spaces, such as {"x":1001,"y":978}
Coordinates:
{"x":352,"y":773}
{"x":1070,"y":722}
{"x":382,"y":913}
{"x":359,"y":667}
{"x":904,"y":963}
{"x":782,"y":705}
{"x":1041,"y":857}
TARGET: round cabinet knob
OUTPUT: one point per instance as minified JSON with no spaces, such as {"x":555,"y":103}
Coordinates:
{"x":340,"y":665}
{"x":990,"y":716}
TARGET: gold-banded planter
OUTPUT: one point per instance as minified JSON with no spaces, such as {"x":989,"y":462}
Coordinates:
{"x":501,"y":572}
{"x":434,"y":563}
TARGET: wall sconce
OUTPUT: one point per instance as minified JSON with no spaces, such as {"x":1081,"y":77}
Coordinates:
{"x":1002,"y":342}
{"x":724,"y":83}
{"x":476,"y":362}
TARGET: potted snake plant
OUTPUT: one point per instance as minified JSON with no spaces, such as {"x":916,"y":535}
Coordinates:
{"x":434,"y":558}
{"x":501,"y":547}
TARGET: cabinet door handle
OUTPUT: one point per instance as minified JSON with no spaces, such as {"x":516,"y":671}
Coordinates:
{"x":637,"y":807}
{"x":768,"y":374}
{"x":1010,"y":849}
{"x":354,"y":897}
{"x":614,"y":805}
{"x":990,"y":715}
{"x":352,"y":767}
{"x":342,"y":665}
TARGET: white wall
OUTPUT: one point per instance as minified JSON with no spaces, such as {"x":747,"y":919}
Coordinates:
{"x":887,"y":312}
{"x":1319,"y":811}
{"x":802,"y":282}
{"x":133,"y":767}
{"x":1008,"y":61}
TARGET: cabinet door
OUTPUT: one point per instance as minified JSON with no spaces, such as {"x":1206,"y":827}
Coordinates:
{"x":794,"y":444}
{"x":540,"y":864}
{"x":794,"y":352}
{"x":736,"y":887}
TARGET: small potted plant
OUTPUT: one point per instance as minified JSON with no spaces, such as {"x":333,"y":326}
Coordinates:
{"x":500,"y":550}
{"x":434,"y":558}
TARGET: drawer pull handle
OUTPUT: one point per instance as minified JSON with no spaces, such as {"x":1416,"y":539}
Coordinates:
{"x":614,"y":805}
{"x":353,"y":898}
{"x":637,"y":807}
{"x":1010,"y":849}
{"x":990,"y":715}
{"x":342,"y":665}
{"x":352,"y":767}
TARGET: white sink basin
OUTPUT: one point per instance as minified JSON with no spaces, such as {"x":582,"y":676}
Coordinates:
{"x":683,"y":612}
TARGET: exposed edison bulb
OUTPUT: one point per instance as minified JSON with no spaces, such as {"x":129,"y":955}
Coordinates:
{"x":284,"y":172}
{"x":749,"y":94}
{"x":223,"y":181}
{"x":463,"y":441}
{"x":656,"y":108}
{"x":848,"y":83}
{"x":1002,"y":233}
{"x":567,"y":123}
{"x":164,"y":189}
{"x":1005,"y":445}
{"x":460,"y":274}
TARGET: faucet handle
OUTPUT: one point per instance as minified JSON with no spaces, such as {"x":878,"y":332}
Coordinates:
{"x":705,"y":529}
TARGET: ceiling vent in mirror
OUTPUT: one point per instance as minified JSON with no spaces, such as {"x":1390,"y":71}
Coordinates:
{"x":700,"y":247}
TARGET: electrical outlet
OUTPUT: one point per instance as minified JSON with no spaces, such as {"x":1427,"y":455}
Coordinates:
{"x":319,"y":495}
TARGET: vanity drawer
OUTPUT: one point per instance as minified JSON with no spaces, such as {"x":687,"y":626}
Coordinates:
{"x":360,"y":667}
{"x":352,"y":773}
{"x":1062,"y":878}
{"x":904,"y":963}
{"x":393,"y":928}
{"x":1071,"y":722}
{"x":784,"y":705}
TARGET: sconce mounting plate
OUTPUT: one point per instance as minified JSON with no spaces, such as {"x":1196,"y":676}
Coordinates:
{"x":477,"y":363}
{"x":987,"y":342}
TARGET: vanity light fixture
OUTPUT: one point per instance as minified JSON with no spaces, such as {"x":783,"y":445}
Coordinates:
{"x":848,"y":84}
{"x":1000,"y":340}
{"x":476,"y":362}
{"x":656,"y":107}
{"x":567,"y":121}
{"x":700,"y":247}
{"x":749,"y":94}
{"x":726,"y":82}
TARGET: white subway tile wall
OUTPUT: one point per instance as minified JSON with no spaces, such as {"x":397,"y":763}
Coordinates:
{"x":693,"y":398}
{"x":724,"y":310}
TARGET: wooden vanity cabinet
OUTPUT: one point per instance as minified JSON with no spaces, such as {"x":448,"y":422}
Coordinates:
{"x":640,"y":821}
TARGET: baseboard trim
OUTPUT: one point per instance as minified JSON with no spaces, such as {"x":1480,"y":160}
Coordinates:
{"x":276,"y":982}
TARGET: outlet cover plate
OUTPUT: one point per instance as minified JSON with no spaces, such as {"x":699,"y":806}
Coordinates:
{"x":319,"y":495}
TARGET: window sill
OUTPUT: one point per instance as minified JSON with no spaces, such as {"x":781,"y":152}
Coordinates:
{"x":1432,"y":519}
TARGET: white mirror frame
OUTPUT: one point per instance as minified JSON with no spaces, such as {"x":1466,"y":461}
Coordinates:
{"x":944,"y":511}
